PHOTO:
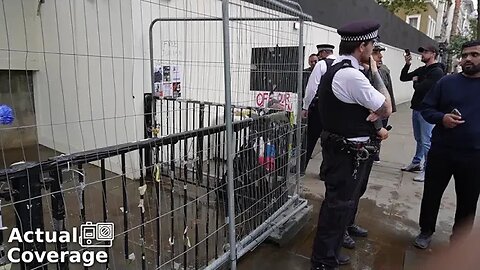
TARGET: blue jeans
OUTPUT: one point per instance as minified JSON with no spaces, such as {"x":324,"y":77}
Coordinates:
{"x":422,"y":131}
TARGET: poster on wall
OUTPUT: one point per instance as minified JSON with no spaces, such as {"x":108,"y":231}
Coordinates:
{"x":168,"y":80}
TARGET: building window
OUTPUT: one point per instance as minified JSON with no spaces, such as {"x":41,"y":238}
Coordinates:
{"x":431,"y":27}
{"x":414,"y":20}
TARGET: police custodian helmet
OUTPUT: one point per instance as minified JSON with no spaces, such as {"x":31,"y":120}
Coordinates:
{"x":359,"y":31}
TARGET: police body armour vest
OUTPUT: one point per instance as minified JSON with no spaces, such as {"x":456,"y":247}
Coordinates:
{"x":344,"y":119}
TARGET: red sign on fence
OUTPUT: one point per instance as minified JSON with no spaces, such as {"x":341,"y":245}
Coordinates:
{"x":278,"y":100}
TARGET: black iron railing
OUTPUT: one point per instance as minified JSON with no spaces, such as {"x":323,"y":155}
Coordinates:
{"x":173,"y":213}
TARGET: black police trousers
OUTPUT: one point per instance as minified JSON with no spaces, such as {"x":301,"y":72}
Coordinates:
{"x":441,"y":165}
{"x":343,"y":191}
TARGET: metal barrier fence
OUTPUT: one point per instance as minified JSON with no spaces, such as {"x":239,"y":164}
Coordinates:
{"x":166,"y":182}
{"x":178,"y":218}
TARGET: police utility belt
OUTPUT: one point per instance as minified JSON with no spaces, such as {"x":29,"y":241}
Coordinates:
{"x":361,"y":150}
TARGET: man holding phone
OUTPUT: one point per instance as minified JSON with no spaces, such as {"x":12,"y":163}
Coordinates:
{"x":424,"y":78}
{"x":453,"y":106}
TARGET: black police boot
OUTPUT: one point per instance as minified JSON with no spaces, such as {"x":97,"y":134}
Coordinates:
{"x":348,"y":241}
{"x":423,"y":240}
{"x":343,"y":259}
{"x":357,"y":231}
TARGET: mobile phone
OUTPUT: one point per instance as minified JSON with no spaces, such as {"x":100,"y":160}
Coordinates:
{"x":407,"y":52}
{"x":456,"y":112}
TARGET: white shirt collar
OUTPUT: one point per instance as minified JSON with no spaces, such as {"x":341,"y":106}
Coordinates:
{"x":354,"y":60}
{"x":331,"y":56}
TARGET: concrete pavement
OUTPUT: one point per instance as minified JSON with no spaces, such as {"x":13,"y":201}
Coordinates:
{"x":389,"y":209}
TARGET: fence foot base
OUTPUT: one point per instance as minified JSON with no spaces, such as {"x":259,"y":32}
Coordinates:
{"x":286,"y":232}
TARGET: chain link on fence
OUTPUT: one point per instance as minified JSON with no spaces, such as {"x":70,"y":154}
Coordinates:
{"x":166,"y":135}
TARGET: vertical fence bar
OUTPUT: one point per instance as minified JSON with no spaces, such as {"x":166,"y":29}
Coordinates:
{"x":254,"y":174}
{"x":103,"y":177}
{"x":172,"y":204}
{"x":185,"y":185}
{"x":58,"y":211}
{"x":168,"y":118}
{"x":158,"y":172}
{"x":29,"y":212}
{"x":3,"y":255}
{"x":299,"y":105}
{"x":199,"y":177}
{"x":229,"y":137}
{"x":152,"y":76}
{"x":125,"y":205}
{"x":209,"y":158}
{"x":81,"y":182}
{"x":218,"y":178}
{"x":142,"y":190}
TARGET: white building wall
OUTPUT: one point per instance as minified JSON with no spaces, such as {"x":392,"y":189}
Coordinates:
{"x":92,"y":67}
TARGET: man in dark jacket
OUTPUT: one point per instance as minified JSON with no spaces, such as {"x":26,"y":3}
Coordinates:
{"x":387,"y":80}
{"x":453,"y":105}
{"x":424,"y":78}
{"x":312,"y":61}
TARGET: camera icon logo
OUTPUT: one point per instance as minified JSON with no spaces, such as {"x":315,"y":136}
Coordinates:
{"x":97,"y":235}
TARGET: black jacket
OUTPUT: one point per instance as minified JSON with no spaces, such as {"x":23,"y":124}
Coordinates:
{"x":428,"y":76}
{"x":306,"y":75}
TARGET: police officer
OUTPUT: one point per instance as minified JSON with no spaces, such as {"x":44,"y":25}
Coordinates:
{"x":312,"y":61}
{"x":324,"y":51}
{"x":349,"y":105}
{"x":353,"y":229}
{"x":310,"y":108}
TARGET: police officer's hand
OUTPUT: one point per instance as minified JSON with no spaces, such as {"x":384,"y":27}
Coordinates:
{"x":382,"y":134}
{"x":373,"y":65}
{"x":373,"y":117}
{"x":451,"y":120}
{"x":304,"y":113}
{"x":408,"y":59}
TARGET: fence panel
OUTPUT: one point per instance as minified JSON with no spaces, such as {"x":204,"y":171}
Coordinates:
{"x":129,"y":167}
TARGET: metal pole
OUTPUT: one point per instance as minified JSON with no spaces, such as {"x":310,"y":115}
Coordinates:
{"x":299,"y":104}
{"x":154,"y":108}
{"x":153,"y":104}
{"x":229,"y":138}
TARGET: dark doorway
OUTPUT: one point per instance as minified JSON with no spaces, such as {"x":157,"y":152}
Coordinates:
{"x":16,"y":91}
{"x":274,"y":69}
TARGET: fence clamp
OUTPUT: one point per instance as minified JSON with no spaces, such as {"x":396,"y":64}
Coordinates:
{"x":157,"y":172}
{"x":142,"y":190}
{"x":185,"y":238}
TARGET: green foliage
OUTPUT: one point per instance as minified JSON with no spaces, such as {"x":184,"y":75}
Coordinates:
{"x":409,"y":6}
{"x":473,"y":31}
{"x":455,"y":46}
